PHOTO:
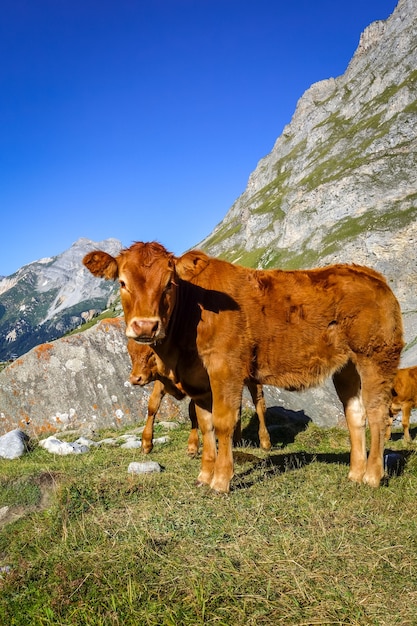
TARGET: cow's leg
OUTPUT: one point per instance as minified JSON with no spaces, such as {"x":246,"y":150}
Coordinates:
{"x":256,"y":391}
{"x":208,"y":457}
{"x":154,"y":403}
{"x":405,"y":419}
{"x":192,"y":448}
{"x":348,"y":387}
{"x":377,"y":394}
{"x":226,"y":413}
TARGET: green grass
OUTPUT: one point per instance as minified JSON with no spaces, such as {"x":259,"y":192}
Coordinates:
{"x":294,"y":543}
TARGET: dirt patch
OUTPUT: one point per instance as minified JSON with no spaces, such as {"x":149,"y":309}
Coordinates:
{"x":47,"y":483}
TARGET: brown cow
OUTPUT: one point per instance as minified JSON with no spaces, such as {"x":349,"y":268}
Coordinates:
{"x":215,"y":325}
{"x":145,"y":371}
{"x":404,"y":398}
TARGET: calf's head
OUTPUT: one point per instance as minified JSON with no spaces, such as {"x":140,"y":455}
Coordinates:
{"x":148,"y":283}
{"x":144,"y":366}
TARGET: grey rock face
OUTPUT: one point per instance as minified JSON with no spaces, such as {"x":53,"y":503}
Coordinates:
{"x":340,"y":184}
{"x":77,"y":382}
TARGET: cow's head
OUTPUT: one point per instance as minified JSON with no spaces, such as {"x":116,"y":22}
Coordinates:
{"x":148,"y":286}
{"x":144,"y":366}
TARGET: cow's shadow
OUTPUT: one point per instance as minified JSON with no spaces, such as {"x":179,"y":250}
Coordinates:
{"x":262,"y":469}
{"x":396,"y":436}
{"x":283,"y":426}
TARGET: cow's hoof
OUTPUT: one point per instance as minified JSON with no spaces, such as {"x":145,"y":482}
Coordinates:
{"x":371,"y":480}
{"x":356,"y":477}
{"x":203,"y":479}
{"x":220,"y":486}
{"x":266,"y":446}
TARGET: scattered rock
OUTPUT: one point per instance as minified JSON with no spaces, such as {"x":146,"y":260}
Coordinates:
{"x":13,"y":444}
{"x":131,"y":443}
{"x":145,"y":467}
{"x":3,"y":512}
{"x":56,"y":446}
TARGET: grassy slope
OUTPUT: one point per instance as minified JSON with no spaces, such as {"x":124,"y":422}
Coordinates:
{"x":294,"y":543}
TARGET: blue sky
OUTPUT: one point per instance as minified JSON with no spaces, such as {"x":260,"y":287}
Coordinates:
{"x":143,"y":119}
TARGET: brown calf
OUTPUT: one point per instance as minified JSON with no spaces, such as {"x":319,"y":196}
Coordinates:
{"x":215,"y":325}
{"x":404,"y":398}
{"x":145,"y":371}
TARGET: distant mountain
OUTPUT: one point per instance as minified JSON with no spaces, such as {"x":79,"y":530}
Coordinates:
{"x":45,"y":299}
{"x":340,"y":184}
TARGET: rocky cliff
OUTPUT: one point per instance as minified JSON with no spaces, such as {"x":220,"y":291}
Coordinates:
{"x":340,"y":183}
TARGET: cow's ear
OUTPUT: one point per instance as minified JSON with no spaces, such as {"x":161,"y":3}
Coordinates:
{"x":101,"y":264}
{"x":191,"y":264}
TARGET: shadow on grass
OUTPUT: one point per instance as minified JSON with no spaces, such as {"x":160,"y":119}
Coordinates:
{"x":283,"y":426}
{"x":400,"y":435}
{"x":262,"y":469}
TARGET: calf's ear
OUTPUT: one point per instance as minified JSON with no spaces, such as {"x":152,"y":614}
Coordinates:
{"x":101,"y":264}
{"x":191,"y":264}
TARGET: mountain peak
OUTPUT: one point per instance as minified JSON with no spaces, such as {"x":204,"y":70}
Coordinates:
{"x":48,"y":297}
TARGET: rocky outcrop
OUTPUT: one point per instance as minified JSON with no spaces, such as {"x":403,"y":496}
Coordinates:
{"x":78,"y":382}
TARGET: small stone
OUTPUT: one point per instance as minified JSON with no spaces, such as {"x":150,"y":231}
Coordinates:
{"x":160,"y":440}
{"x":13,"y":444}
{"x":131,"y":443}
{"x":3,"y":511}
{"x":145,"y":467}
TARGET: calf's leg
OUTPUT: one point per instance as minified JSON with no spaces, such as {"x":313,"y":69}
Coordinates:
{"x":192,"y":447}
{"x":154,"y":403}
{"x":256,"y":391}
{"x":405,"y":419}
{"x":209,"y":453}
{"x":226,"y":414}
{"x":376,"y":380}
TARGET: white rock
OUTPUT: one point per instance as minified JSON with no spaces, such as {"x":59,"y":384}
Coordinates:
{"x":145,"y":467}
{"x":168,"y":425}
{"x":56,"y":446}
{"x":109,"y":441}
{"x":3,"y":511}
{"x":132,"y":443}
{"x":164,"y":439}
{"x":13,"y":444}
